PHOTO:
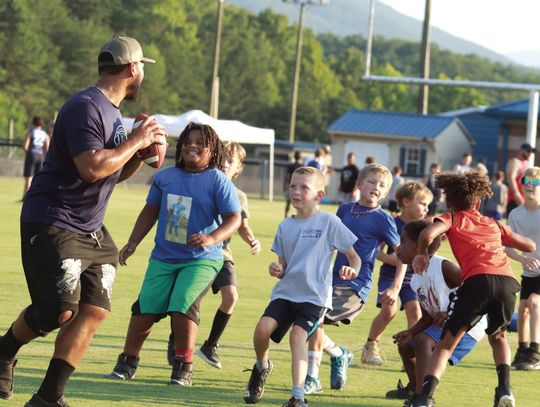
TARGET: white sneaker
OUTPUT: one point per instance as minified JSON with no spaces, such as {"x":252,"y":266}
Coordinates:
{"x":370,"y":354}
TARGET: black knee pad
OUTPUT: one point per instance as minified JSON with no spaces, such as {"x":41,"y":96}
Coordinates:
{"x":44,"y":317}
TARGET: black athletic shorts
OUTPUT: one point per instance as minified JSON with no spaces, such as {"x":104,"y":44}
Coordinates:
{"x":226,"y":276}
{"x":306,"y":315}
{"x":63,"y":266}
{"x":529,"y":285}
{"x":490,"y":294}
{"x":32,"y":164}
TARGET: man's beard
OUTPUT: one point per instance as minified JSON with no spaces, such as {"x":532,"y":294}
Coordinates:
{"x":132,"y":91}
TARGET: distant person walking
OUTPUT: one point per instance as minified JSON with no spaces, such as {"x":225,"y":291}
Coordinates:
{"x":429,"y":180}
{"x":515,"y":168}
{"x":347,"y":180}
{"x":495,"y":205}
{"x":36,"y":144}
{"x":464,"y":165}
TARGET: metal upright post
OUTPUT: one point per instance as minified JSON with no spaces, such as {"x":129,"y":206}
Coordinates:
{"x":214,"y":95}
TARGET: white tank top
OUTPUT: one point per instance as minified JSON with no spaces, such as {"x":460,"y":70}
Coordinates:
{"x":434,"y":295}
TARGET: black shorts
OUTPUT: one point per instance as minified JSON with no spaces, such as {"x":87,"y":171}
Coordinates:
{"x":306,"y":315}
{"x":490,"y":294}
{"x":226,"y":276}
{"x":529,"y":285}
{"x":32,"y":164}
{"x":393,"y":206}
{"x":63,"y":266}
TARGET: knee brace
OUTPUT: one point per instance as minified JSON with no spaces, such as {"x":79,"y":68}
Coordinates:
{"x":44,"y":317}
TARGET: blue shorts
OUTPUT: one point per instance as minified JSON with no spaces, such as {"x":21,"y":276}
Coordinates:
{"x":463,"y":348}
{"x":406,"y":293}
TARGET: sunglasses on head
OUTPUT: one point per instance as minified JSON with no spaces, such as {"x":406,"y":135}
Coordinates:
{"x":532,"y":181}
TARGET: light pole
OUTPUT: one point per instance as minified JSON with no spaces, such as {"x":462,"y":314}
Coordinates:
{"x":214,"y":95}
{"x":300,"y":39}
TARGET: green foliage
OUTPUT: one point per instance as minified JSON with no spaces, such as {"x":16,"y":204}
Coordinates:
{"x":49,"y":52}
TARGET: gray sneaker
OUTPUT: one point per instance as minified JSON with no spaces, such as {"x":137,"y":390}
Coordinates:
{"x":125,"y":368}
{"x":7,"y":366}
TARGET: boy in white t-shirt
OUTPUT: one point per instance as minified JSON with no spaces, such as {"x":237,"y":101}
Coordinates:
{"x":434,"y":289}
{"x":525,"y":220}
{"x":305,"y":244}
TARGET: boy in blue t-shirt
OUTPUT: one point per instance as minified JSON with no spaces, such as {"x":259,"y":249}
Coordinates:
{"x":183,"y":263}
{"x":372,"y":226}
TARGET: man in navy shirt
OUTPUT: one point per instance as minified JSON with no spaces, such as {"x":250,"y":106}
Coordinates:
{"x":68,"y":256}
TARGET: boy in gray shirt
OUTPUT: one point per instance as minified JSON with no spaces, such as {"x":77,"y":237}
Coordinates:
{"x":305,"y":245}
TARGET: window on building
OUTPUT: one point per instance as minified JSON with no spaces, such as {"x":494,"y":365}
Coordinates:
{"x":412,"y":158}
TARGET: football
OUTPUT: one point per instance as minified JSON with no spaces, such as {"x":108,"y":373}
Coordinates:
{"x":154,"y":154}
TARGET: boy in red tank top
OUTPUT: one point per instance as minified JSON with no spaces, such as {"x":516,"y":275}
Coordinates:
{"x":488,"y":282}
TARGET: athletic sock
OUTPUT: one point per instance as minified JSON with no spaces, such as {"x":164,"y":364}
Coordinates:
{"x":9,"y":345}
{"x":430,"y":383}
{"x":55,"y":380}
{"x":262,"y":365}
{"x":297,"y":392}
{"x":371,"y":340}
{"x":503,"y":374}
{"x":334,"y":352}
{"x":221,"y":320}
{"x":534,"y":346}
{"x":314,"y":362}
{"x":184,"y":355}
{"x":523,"y":345}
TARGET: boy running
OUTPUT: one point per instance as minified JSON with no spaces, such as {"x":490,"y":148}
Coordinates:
{"x":413,"y":199}
{"x":488,"y":282}
{"x":372,"y":226}
{"x":434,"y":289}
{"x":305,"y":245}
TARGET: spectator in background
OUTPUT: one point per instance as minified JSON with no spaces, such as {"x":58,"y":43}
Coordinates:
{"x":495,"y":206}
{"x":318,"y":160}
{"x":370,"y":160}
{"x":481,"y":169}
{"x":515,"y":167}
{"x":465,"y":164}
{"x":429,"y":180}
{"x":347,"y":180}
{"x":397,"y":180}
{"x":36,"y":144}
{"x":287,"y":180}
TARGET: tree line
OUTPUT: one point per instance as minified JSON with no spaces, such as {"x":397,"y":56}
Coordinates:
{"x":49,"y":51}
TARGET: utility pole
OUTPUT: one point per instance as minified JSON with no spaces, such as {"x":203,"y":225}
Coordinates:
{"x":299,"y":42}
{"x":214,"y":95}
{"x":423,"y":94}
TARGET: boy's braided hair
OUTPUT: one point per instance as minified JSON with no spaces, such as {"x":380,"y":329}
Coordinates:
{"x":464,"y":191}
{"x":210,"y":139}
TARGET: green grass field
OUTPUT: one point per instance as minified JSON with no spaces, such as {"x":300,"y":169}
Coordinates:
{"x":469,"y":384}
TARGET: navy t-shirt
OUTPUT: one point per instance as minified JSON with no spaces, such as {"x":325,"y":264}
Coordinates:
{"x":58,"y":195}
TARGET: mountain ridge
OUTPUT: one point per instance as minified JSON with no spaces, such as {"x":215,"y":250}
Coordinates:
{"x":353,"y":18}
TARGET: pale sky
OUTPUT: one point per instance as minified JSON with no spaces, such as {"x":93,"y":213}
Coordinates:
{"x":504,"y":26}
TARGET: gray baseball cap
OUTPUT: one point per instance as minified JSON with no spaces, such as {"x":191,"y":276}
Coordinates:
{"x":122,"y":51}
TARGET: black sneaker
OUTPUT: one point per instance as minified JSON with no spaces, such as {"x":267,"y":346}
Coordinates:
{"x":6,"y":377}
{"x":423,"y":401}
{"x":125,"y":368}
{"x":181,"y":374}
{"x":37,"y":401}
{"x":400,"y":392}
{"x":519,"y":358}
{"x":257,"y":380}
{"x":294,"y":402}
{"x":171,"y":350}
{"x":209,"y":354}
{"x":504,"y":397}
{"x":531,"y":362}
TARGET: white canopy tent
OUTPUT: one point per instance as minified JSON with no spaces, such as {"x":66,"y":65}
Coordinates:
{"x":231,"y":130}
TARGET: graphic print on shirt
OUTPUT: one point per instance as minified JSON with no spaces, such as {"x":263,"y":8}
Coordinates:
{"x":178,"y":210}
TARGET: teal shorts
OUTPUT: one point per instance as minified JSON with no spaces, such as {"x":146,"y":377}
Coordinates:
{"x":176,"y":287}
